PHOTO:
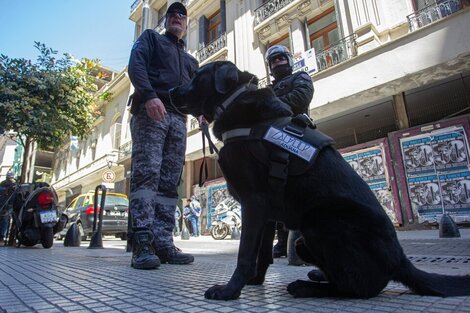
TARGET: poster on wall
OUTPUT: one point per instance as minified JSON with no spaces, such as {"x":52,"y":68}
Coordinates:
{"x":218,"y":201}
{"x":438,"y":174}
{"x":370,"y":164}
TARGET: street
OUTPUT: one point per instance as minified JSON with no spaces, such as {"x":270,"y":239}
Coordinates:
{"x":77,"y":279}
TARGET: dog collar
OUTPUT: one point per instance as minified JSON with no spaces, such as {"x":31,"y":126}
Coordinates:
{"x":224,"y":105}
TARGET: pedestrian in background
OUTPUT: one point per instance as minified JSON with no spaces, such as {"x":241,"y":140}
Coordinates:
{"x":195,"y":212}
{"x":177,"y":229}
{"x":157,"y":64}
{"x":6,"y":189}
{"x":187,"y":216}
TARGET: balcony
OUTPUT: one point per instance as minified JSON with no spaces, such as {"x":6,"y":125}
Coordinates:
{"x":432,"y":13}
{"x":269,"y":8}
{"x":160,"y":28}
{"x":134,"y":5}
{"x":125,"y":151}
{"x":337,"y":52}
{"x":212,"y":48}
{"x":263,"y":82}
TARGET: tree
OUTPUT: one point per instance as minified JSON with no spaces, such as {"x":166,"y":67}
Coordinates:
{"x":47,"y":101}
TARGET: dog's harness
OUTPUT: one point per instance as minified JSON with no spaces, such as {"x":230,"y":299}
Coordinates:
{"x":223,"y":106}
{"x":293,"y":144}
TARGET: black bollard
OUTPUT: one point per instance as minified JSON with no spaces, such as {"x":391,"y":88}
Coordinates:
{"x":235,"y":233}
{"x":447,"y":227}
{"x":96,"y":241}
{"x":184,"y":231}
{"x":292,"y":256}
{"x":72,"y":237}
{"x":129,"y":232}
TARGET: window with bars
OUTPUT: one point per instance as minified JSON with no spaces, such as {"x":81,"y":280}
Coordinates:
{"x":323,"y":30}
{"x":214,"y":27}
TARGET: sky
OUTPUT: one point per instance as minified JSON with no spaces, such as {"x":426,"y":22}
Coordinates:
{"x":94,"y":29}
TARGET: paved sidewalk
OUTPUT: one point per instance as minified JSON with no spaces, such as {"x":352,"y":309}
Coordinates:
{"x":65,"y":279}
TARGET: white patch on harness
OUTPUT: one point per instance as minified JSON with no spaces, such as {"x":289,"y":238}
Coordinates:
{"x":290,"y":143}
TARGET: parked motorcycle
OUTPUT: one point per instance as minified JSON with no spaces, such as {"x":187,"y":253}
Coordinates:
{"x":225,"y":219}
{"x":35,"y":217}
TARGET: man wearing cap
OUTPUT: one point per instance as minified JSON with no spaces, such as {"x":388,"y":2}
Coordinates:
{"x":157,"y":64}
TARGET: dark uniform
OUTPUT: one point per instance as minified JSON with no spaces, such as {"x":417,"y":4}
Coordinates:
{"x":296,"y":90}
{"x":157,"y":64}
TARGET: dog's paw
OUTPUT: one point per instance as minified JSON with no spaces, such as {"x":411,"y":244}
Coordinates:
{"x":258,"y":280}
{"x":221,"y":292}
{"x":300,"y":289}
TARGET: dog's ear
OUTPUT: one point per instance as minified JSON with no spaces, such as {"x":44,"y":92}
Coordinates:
{"x":226,"y":78}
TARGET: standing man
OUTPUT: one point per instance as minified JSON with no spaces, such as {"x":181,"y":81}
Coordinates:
{"x":157,"y":64}
{"x":297,"y":91}
{"x":195,"y":212}
{"x":6,"y":189}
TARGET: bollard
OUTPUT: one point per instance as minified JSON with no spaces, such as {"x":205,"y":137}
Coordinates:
{"x":129,"y":231}
{"x":72,"y":237}
{"x":235,"y":233}
{"x":292,"y":256}
{"x":184,"y":231}
{"x":96,"y":241}
{"x":447,"y":227}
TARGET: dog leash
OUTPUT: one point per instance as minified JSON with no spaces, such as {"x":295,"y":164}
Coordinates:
{"x":212,"y":148}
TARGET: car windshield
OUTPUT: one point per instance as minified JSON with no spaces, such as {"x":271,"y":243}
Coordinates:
{"x":114,"y":200}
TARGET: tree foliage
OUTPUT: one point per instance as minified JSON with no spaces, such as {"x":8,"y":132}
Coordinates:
{"x":49,"y":100}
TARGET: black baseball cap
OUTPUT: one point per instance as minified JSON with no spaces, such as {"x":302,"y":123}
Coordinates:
{"x":177,"y":7}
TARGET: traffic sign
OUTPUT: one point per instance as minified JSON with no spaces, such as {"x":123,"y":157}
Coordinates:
{"x":109,"y":176}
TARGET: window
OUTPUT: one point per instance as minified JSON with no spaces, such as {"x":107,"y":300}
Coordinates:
{"x":116,"y":134}
{"x":215,"y":27}
{"x":323,"y":30}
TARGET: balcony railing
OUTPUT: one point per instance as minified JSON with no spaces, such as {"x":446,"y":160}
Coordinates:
{"x":432,"y":13}
{"x":134,"y":5}
{"x":337,"y":52}
{"x":125,"y":151}
{"x":269,"y":8}
{"x":212,"y":48}
{"x":263,"y":82}
{"x":160,"y":26}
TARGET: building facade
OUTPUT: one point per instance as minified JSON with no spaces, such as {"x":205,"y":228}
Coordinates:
{"x":392,"y":87}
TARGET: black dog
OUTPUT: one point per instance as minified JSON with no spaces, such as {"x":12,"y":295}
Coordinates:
{"x":346,"y":233}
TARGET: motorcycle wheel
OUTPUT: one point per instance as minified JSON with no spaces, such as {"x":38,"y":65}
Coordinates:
{"x":47,"y":237}
{"x":219,"y":233}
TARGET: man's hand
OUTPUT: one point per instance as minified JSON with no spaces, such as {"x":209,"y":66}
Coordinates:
{"x":155,"y":109}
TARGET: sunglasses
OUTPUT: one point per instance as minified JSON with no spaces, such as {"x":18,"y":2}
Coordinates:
{"x":278,"y":58}
{"x":176,"y":15}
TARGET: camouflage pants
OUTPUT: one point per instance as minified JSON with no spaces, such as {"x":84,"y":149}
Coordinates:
{"x":158,"y":150}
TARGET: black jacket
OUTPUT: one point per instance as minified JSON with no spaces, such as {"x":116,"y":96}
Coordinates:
{"x":157,"y":64}
{"x":296,"y":90}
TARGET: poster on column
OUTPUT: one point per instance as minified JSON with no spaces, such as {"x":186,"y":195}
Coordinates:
{"x":218,"y":201}
{"x":437,"y":174}
{"x":370,"y":165}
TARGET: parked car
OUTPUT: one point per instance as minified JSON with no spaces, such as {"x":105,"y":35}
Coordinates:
{"x":81,"y":211}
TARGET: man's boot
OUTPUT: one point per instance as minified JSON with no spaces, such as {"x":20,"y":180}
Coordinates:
{"x":143,"y":253}
{"x":174,"y":255}
{"x":280,"y":248}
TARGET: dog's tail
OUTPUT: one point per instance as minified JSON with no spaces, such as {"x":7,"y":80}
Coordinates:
{"x":430,"y":284}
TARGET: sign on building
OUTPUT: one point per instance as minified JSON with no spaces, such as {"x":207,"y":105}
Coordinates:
{"x":307,"y":62}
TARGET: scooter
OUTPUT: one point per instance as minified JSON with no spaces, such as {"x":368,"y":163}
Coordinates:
{"x":35,"y":216}
{"x":224,"y":220}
